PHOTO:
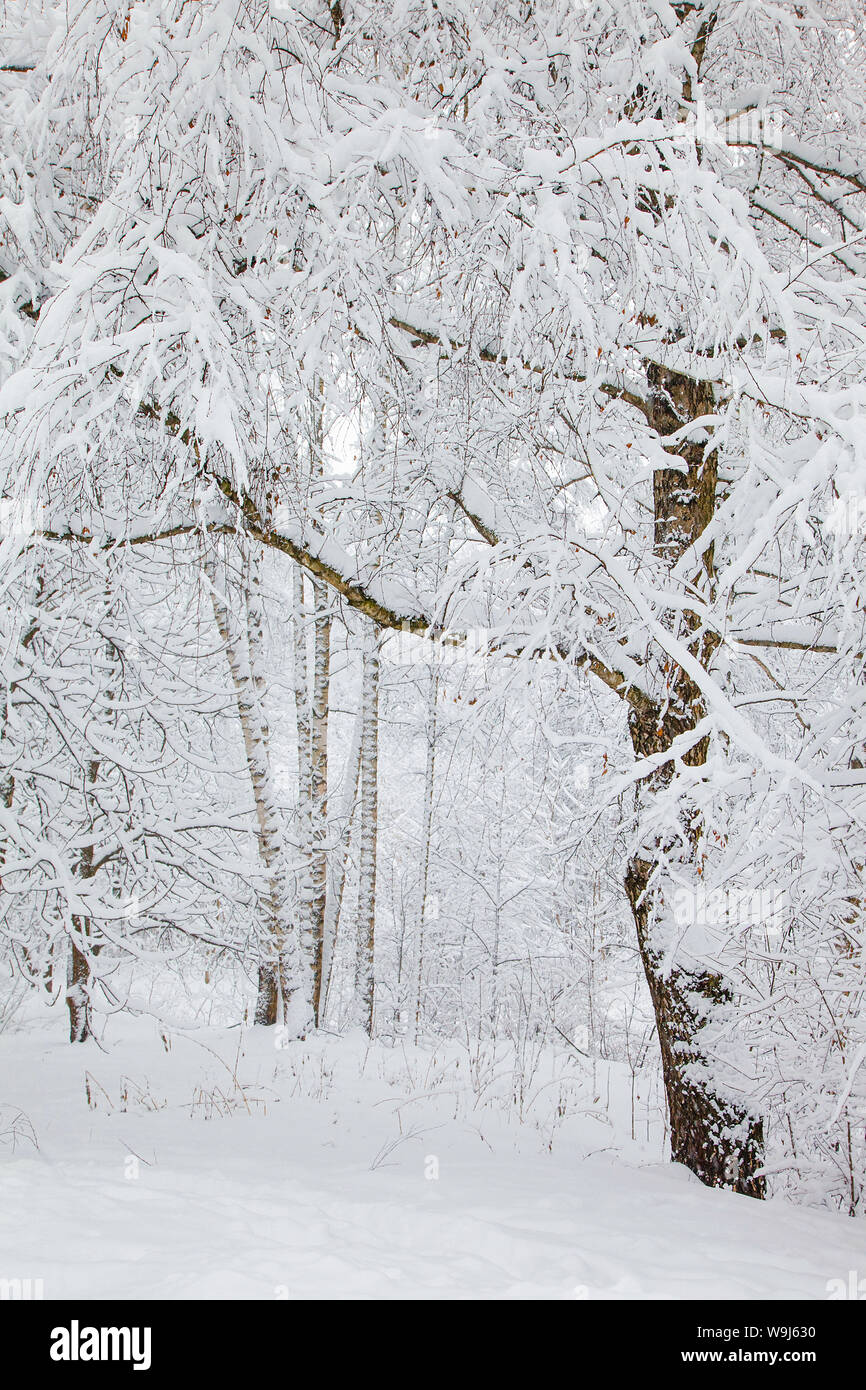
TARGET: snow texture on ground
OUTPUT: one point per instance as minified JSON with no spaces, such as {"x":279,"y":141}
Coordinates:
{"x":213,"y":1164}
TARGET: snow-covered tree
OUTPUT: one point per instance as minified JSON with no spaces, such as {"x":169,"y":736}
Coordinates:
{"x":581,"y":290}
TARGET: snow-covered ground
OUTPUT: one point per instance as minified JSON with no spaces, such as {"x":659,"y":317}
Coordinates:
{"x":212,"y":1164}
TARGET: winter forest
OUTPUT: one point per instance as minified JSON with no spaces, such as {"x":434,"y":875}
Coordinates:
{"x":433,"y":645}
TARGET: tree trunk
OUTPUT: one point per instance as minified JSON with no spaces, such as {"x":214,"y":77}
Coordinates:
{"x":721,"y":1143}
{"x":304,"y":744}
{"x":78,"y":970}
{"x":36,"y":970}
{"x":318,"y":719}
{"x":719,"y":1140}
{"x":368,"y":837}
{"x":281,"y":973}
{"x":426,"y":834}
{"x":339,"y":856}
{"x":78,"y":989}
{"x":319,"y":787}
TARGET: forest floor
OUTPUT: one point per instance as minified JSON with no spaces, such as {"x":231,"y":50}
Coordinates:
{"x":209,"y":1163}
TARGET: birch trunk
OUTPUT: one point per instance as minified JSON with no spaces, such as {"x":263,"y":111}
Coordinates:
{"x":281,"y":974}
{"x":82,"y":947}
{"x":304,"y":744}
{"x":35,"y":969}
{"x":426,"y":833}
{"x":78,"y":968}
{"x":319,"y":788}
{"x":339,"y":857}
{"x":316,"y":822}
{"x":365,"y":987}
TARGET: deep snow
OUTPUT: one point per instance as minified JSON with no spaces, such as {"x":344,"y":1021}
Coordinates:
{"x":213,"y":1164}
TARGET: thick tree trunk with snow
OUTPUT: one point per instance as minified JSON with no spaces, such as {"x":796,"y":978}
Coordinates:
{"x":719,"y":1141}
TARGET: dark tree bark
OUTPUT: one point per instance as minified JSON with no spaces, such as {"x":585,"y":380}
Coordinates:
{"x":78,"y":991}
{"x":718,"y":1140}
{"x":267,"y":996}
{"x":721,"y":1143}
